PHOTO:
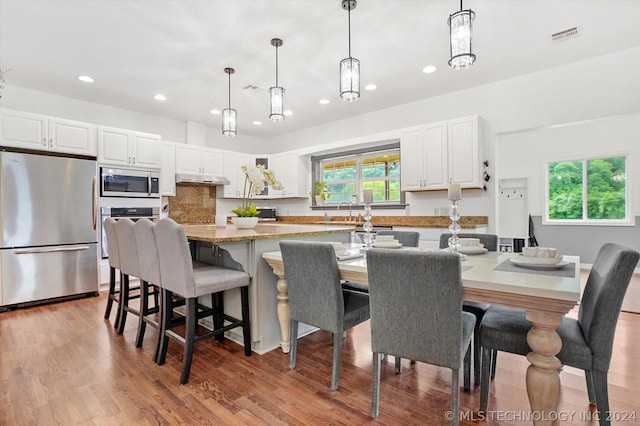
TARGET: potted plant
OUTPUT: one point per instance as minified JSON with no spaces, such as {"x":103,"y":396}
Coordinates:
{"x":321,"y":191}
{"x":254,"y":182}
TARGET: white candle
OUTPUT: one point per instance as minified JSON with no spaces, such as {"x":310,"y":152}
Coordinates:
{"x":367,"y":196}
{"x":455,"y":192}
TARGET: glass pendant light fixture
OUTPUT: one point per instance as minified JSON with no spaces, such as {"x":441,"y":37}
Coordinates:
{"x":349,"y":67}
{"x":276,"y":93}
{"x":460,"y":27}
{"x":229,"y":116}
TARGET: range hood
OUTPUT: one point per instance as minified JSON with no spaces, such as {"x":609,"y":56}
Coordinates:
{"x":201,"y":179}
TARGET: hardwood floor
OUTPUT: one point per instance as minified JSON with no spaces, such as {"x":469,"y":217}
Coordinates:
{"x":62,"y":364}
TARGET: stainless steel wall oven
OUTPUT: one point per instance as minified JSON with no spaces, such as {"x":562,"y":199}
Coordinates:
{"x":133,"y":213}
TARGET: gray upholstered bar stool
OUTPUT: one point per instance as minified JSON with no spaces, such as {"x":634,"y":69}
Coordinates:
{"x":114,"y":265}
{"x":182,"y":276}
{"x":490,"y":242}
{"x":149,"y":277}
{"x":129,"y":266}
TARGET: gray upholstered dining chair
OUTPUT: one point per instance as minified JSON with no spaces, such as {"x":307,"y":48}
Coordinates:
{"x":149,"y":274}
{"x":406,"y":238}
{"x":114,"y":266}
{"x":182,"y":276}
{"x":586,"y":342}
{"x":317,"y":298}
{"x":129,"y":266}
{"x":490,"y":242}
{"x":423,"y":321}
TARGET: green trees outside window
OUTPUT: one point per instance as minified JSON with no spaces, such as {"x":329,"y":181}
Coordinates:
{"x":597,"y":187}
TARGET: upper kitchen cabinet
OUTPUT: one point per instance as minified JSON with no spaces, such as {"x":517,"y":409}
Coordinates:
{"x":168,"y":169}
{"x":231,"y":170}
{"x":294,"y":175}
{"x":440,"y":153}
{"x":199,"y":160}
{"x":120,"y":147}
{"x":38,"y":132}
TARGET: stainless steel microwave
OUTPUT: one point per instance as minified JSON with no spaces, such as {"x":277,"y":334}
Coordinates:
{"x":134,"y":183}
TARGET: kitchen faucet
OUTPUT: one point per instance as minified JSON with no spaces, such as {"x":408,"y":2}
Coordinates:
{"x":347,"y":203}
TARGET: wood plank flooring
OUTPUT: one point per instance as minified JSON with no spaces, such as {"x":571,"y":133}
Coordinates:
{"x":62,"y":364}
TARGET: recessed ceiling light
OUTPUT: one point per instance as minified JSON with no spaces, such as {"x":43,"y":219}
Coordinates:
{"x":160,"y":97}
{"x":370,"y":87}
{"x":85,"y":78}
{"x":429,"y":69}
{"x":324,"y":101}
{"x":257,"y":123}
{"x":288,"y":113}
{"x":215,"y":111}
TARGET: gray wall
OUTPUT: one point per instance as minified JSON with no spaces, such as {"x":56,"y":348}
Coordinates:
{"x":584,"y":240}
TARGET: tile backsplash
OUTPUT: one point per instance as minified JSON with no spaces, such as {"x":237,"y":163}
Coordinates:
{"x":193,"y":204}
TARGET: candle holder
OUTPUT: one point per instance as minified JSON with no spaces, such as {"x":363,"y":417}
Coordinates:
{"x":367,"y":227}
{"x":454,"y":215}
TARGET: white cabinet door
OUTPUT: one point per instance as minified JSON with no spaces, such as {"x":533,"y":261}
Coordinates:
{"x":113,"y":146}
{"x":290,"y":170}
{"x":73,"y":137}
{"x":188,"y":159}
{"x":231,"y":170}
{"x":145,"y":150}
{"x":212,"y":161}
{"x":434,"y":156}
{"x":465,"y":162}
{"x":411,"y":176}
{"x":167,"y":169}
{"x":23,"y":130}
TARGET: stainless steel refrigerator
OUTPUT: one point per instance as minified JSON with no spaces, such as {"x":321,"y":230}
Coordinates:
{"x":48,"y":218}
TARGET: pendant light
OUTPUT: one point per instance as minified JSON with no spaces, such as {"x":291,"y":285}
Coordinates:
{"x":349,"y":67}
{"x":276,"y":93}
{"x":460,"y":28}
{"x":229,"y":116}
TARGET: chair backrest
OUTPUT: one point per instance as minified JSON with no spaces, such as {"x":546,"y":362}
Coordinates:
{"x":315,"y":292}
{"x":147,"y":251}
{"x":129,"y":263}
{"x":112,"y":242}
{"x":176,"y":266}
{"x":602,"y":299}
{"x":416,"y":305}
{"x":490,"y":241}
{"x":406,"y":238}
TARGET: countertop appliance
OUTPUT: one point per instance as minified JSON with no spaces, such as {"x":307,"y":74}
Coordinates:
{"x":138,"y":183}
{"x":266,"y":214}
{"x":48,"y":211}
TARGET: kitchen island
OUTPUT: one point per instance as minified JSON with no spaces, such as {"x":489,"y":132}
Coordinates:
{"x":242,"y":249}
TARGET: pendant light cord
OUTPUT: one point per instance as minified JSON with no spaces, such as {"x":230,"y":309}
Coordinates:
{"x":229,"y":74}
{"x":276,"y":65}
{"x":349,"y":13}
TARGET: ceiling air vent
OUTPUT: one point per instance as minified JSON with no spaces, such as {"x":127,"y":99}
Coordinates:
{"x":566,"y":34}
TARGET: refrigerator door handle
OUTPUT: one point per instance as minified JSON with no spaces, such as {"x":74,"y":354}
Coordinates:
{"x":51,"y":250}
{"x":94,"y":203}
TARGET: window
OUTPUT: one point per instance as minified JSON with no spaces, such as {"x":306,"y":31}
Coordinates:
{"x":592,"y":191}
{"x":348,"y":173}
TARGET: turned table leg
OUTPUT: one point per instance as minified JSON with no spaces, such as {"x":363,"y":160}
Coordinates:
{"x":283,"y":311}
{"x":543,"y":375}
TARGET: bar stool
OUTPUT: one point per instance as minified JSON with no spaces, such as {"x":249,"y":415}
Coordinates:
{"x":180,"y":275}
{"x":114,"y":264}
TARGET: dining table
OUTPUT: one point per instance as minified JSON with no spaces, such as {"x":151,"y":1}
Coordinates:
{"x":546,"y":293}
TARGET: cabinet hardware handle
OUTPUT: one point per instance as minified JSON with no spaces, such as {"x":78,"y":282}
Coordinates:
{"x":44,"y":141}
{"x":134,"y":160}
{"x":50,"y":143}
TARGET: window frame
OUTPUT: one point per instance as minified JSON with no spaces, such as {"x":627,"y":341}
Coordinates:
{"x":358,"y":153}
{"x":628,"y":220}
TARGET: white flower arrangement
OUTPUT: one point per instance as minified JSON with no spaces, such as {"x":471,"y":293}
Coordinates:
{"x":254,"y":183}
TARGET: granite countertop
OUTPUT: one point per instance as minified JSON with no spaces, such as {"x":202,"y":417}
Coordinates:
{"x":467,"y":222}
{"x":213,"y":234}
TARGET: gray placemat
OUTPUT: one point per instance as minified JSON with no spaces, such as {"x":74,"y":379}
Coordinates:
{"x":490,"y":254}
{"x":568,"y":271}
{"x":466,"y":267}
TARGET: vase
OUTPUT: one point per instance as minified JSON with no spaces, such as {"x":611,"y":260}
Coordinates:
{"x":244,"y":222}
{"x":319,"y":200}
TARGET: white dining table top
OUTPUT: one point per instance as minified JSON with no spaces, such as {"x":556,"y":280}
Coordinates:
{"x":480,"y":278}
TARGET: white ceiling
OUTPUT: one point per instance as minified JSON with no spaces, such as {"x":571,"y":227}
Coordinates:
{"x":135,"y":49}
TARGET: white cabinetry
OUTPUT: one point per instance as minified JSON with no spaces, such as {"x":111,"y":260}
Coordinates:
{"x":32,"y":131}
{"x":295,"y":177}
{"x":120,"y":147}
{"x":440,"y":153}
{"x":167,"y":169}
{"x":231,"y":170}
{"x":198,"y":159}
